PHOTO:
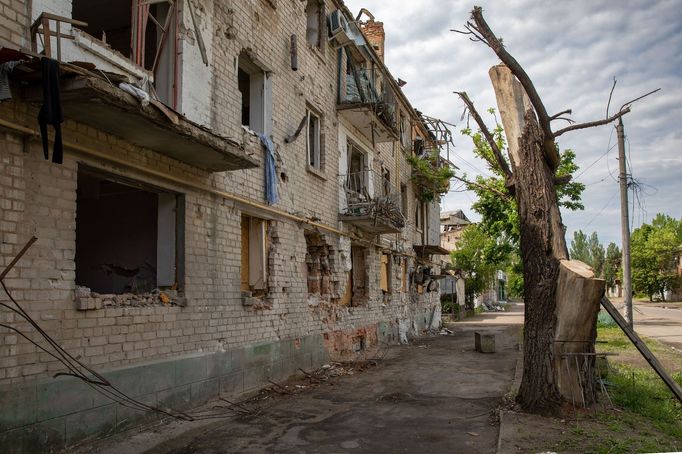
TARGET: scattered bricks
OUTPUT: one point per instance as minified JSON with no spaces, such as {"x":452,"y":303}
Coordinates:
{"x":484,"y":343}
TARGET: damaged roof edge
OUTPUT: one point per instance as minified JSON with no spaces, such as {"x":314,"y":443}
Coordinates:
{"x":97,"y":103}
{"x":349,"y":15}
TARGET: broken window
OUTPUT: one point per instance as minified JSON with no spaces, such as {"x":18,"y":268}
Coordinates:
{"x":386,"y":180}
{"x":145,"y":32}
{"x":255,"y":88}
{"x":419,"y":215}
{"x":313,"y":140}
{"x":385,"y":273}
{"x":405,"y":131}
{"x":315,"y":22}
{"x":254,"y":255}
{"x":358,"y":276}
{"x":318,"y":265}
{"x":403,"y":199}
{"x":127,"y":237}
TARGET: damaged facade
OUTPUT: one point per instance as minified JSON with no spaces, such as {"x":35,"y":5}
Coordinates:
{"x":234,"y":203}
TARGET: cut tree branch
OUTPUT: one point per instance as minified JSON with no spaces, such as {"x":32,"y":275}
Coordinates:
{"x":500,"y":161}
{"x":558,"y":115}
{"x":592,"y":124}
{"x":497,"y":46}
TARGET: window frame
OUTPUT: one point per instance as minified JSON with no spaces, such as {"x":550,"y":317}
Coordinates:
{"x":314,"y":153}
{"x":170,"y":235}
{"x":254,"y":244}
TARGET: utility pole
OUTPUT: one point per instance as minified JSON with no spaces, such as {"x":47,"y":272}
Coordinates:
{"x":624,"y":223}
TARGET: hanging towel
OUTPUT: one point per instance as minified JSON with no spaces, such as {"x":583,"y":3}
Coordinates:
{"x":51,"y":111}
{"x":271,"y":194}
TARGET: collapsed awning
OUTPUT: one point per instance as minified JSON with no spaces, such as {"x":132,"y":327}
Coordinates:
{"x":98,"y":103}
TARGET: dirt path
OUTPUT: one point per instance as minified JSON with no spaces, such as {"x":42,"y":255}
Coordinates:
{"x":434,"y":395}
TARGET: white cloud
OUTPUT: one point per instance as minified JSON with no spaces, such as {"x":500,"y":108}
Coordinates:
{"x":572,"y":51}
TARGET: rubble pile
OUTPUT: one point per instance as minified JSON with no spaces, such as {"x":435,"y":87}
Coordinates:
{"x":86,"y":299}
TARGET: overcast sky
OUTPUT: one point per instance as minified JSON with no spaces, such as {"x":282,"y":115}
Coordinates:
{"x":571,"y":50}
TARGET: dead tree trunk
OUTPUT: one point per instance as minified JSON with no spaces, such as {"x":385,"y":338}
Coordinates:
{"x":539,"y":215}
{"x":561,"y":296}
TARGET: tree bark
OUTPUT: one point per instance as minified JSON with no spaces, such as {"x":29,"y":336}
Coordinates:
{"x":542,"y":246}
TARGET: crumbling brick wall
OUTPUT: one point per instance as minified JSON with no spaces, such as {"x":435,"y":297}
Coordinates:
{"x":39,"y":198}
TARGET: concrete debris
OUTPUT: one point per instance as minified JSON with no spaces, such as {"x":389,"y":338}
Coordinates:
{"x":86,"y":299}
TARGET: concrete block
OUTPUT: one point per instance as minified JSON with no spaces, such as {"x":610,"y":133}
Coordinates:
{"x":47,"y":436}
{"x":484,"y":343}
{"x":237,"y":359}
{"x":203,"y":391}
{"x":62,"y":397}
{"x":127,"y":418}
{"x":17,"y":406}
{"x":178,"y":399}
{"x":233,"y":383}
{"x":255,"y":377}
{"x":218,"y":364}
{"x":190,"y":370}
{"x":98,"y":422}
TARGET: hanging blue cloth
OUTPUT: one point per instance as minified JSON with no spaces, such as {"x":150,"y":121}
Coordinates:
{"x":271,"y":194}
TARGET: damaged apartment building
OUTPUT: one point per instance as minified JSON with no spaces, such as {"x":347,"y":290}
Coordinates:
{"x":221,"y":195}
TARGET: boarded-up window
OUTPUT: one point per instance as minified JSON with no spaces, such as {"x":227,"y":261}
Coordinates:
{"x":403,"y":277}
{"x":385,"y":273}
{"x":254,"y":255}
{"x":359,"y":275}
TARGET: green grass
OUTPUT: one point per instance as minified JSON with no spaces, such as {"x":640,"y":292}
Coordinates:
{"x":644,"y":393}
{"x":639,"y":389}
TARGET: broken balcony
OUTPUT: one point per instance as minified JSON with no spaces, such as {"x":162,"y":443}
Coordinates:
{"x":95,"y":81}
{"x":373,"y":204}
{"x":371,"y":112}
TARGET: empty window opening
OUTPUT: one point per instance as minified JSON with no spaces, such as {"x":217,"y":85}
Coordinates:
{"x":386,"y":180}
{"x":313,"y":140}
{"x":385,"y":273}
{"x":315,"y":25}
{"x":254,"y":86}
{"x":144,"y":32}
{"x":126,"y":235}
{"x":318,"y":265}
{"x":405,"y":132}
{"x":108,"y":20}
{"x":419,"y":214}
{"x":358,"y":276}
{"x":403,"y":198}
{"x":254,"y":255}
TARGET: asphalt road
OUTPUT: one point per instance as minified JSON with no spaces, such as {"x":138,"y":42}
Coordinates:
{"x":660,"y":321}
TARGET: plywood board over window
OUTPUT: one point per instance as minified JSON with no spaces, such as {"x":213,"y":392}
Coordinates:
{"x":385,"y":273}
{"x":253,"y":255}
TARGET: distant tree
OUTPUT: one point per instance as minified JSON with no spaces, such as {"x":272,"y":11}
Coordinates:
{"x":588,"y":250}
{"x":598,"y":255}
{"x":499,"y":214}
{"x":580,"y":249}
{"x":477,"y":255}
{"x":655,"y":250}
{"x":612,"y":265}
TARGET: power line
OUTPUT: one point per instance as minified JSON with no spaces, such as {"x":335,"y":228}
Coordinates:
{"x":602,"y":210}
{"x":609,"y":147}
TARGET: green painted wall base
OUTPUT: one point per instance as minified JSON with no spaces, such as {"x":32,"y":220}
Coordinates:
{"x":55,"y":413}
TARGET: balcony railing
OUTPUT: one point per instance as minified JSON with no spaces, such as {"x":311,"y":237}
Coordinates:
{"x":372,"y":203}
{"x":367,"y":108}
